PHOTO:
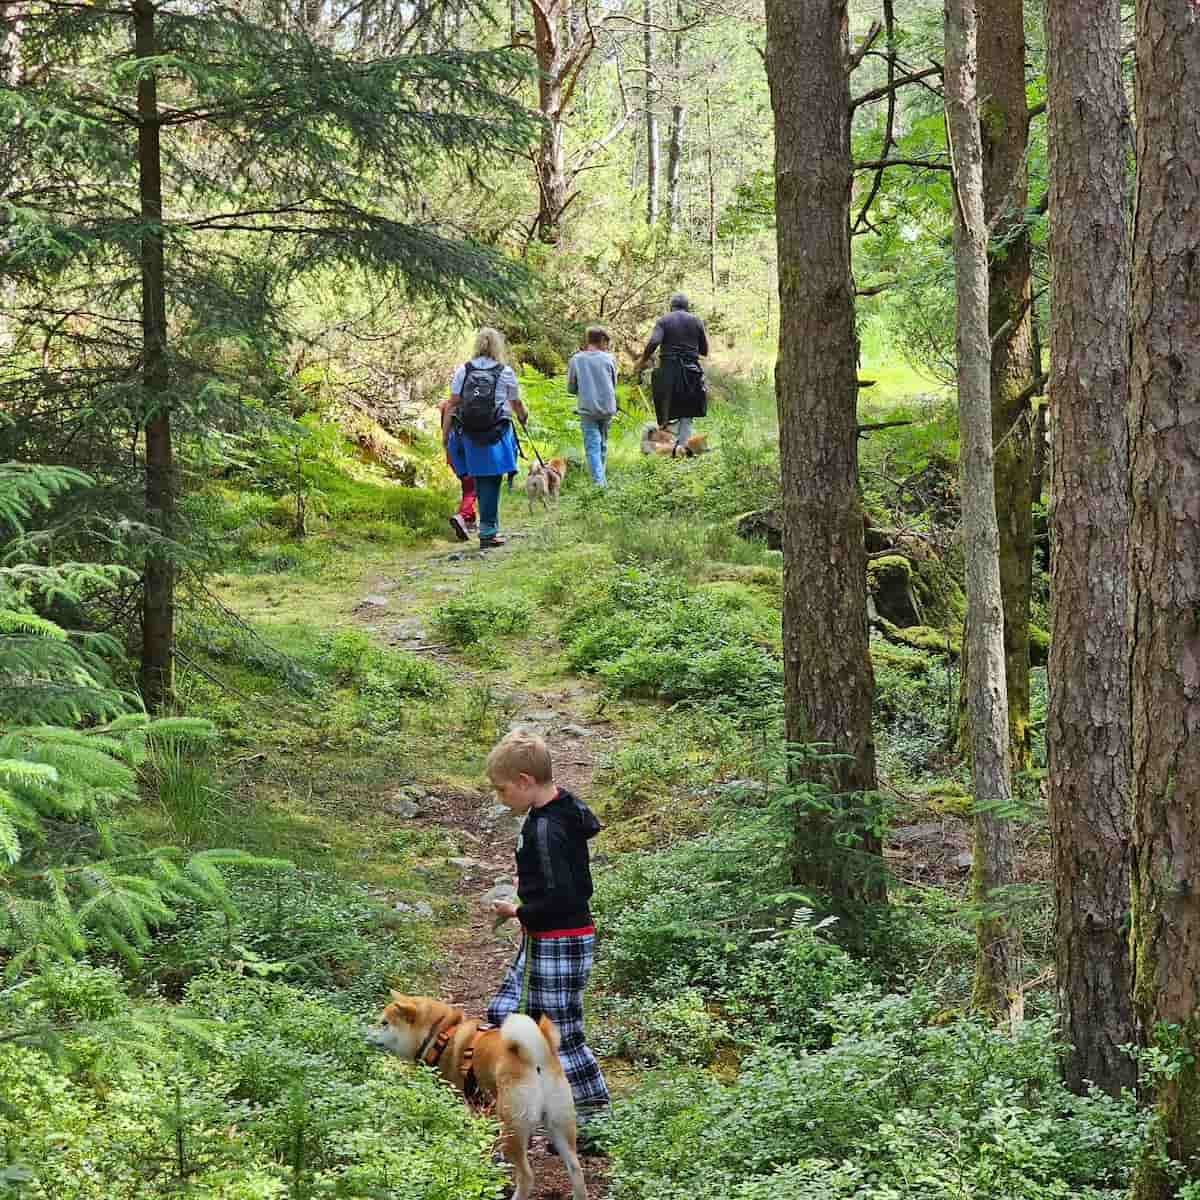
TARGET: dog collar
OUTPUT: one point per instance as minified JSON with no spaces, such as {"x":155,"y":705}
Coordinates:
{"x":437,"y":1037}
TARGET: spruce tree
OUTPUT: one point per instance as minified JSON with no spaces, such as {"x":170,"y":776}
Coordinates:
{"x":176,"y":170}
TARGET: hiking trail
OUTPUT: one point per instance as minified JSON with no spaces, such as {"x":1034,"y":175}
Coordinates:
{"x":474,"y":956}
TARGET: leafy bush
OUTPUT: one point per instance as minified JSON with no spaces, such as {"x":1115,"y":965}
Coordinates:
{"x":283,"y":1099}
{"x":302,"y":927}
{"x":679,"y":1029}
{"x":914,"y":703}
{"x":649,"y":634}
{"x":895,"y":1107}
{"x":480,"y":616}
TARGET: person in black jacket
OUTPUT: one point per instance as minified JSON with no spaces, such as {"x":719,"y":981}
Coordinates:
{"x":677,"y":383}
{"x":554,"y":885}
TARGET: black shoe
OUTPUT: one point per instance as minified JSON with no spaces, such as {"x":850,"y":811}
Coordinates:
{"x":460,"y":527}
{"x":489,"y":543}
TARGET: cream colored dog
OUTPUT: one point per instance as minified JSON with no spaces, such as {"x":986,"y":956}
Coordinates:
{"x":517,"y":1065}
{"x":544,"y":481}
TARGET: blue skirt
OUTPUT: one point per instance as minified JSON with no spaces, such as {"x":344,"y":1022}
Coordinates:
{"x":469,"y":458}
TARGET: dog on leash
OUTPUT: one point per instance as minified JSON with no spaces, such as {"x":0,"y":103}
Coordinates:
{"x":544,"y":481}
{"x":662,"y":441}
{"x":517,"y":1065}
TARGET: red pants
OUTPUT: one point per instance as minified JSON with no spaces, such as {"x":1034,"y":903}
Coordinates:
{"x":466,"y":509}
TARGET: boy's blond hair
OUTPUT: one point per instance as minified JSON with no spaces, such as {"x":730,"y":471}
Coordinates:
{"x":521,"y":752}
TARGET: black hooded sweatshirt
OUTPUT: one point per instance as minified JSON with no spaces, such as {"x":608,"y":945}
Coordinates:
{"x":554,"y":883}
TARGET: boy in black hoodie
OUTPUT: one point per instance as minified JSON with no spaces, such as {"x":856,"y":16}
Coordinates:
{"x":554,"y":885}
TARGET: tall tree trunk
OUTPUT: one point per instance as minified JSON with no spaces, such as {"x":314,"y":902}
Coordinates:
{"x":1004,"y":125}
{"x":651,"y":114}
{"x":1165,"y":573}
{"x":828,"y":678}
{"x":158,"y":601}
{"x":996,"y":974}
{"x":712,"y":198}
{"x":1088,"y":723}
{"x":678,"y":119}
{"x":551,"y":162}
{"x":515,"y":25}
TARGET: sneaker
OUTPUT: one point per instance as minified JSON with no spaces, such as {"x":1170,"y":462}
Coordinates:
{"x":487,"y":543}
{"x":460,"y":527}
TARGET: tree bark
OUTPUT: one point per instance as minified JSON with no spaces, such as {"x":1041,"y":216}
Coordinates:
{"x":678,"y":120}
{"x":158,"y":587}
{"x":1004,"y":126}
{"x":551,"y":162}
{"x":829,"y":683}
{"x":996,"y":973}
{"x":1165,"y":575}
{"x":1088,"y":720}
{"x":651,"y":115}
{"x":712,"y":198}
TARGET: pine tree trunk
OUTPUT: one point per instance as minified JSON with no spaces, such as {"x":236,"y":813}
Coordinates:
{"x":678,"y":119}
{"x":828,"y":679}
{"x":1004,"y":126}
{"x":1088,"y":722}
{"x":651,"y":114}
{"x":996,"y":975}
{"x":1165,"y":572}
{"x":158,"y":599}
{"x":551,"y":162}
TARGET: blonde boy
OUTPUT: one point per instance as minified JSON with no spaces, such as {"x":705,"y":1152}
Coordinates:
{"x":554,"y":885}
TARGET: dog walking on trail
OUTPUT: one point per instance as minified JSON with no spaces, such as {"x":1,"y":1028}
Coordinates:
{"x":592,"y":377}
{"x":554,"y":885}
{"x":544,"y":481}
{"x":516,"y":1065}
{"x":477,"y":427}
{"x":680,"y":391}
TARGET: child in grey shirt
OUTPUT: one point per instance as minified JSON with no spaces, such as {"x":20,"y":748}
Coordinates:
{"x":592,"y":377}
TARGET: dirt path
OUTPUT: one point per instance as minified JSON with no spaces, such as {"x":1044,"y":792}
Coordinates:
{"x":474,"y":955}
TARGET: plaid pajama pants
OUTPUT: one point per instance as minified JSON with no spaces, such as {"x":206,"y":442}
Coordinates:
{"x":561,"y":966}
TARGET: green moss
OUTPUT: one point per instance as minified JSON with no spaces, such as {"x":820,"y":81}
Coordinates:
{"x":889,"y":568}
{"x":922,"y":637}
{"x":949,"y":797}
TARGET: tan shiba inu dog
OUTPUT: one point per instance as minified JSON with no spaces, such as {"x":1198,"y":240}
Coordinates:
{"x":544,"y":481}
{"x":517,"y":1065}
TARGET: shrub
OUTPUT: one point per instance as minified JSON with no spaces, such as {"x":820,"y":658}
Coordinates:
{"x":651,"y":635}
{"x":479,"y":617}
{"x":303,"y":927}
{"x":283,"y":1099}
{"x":964,"y":1109}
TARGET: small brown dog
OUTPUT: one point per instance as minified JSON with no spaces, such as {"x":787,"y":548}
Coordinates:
{"x":517,"y":1065}
{"x":662,"y":441}
{"x":544,"y":481}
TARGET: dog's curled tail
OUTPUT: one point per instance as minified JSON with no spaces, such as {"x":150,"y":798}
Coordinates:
{"x":536,"y":1044}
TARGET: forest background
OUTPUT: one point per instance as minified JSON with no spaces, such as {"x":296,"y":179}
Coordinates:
{"x":241,"y":252}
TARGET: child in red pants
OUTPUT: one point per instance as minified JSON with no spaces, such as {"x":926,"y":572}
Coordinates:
{"x":464,"y":522}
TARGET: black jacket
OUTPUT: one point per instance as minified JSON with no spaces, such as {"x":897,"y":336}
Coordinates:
{"x":554,"y":883}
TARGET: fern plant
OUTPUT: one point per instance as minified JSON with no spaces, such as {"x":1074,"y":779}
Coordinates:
{"x":71,"y":744}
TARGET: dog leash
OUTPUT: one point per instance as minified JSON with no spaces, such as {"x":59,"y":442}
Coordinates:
{"x":532,"y":444}
{"x":527,"y":950}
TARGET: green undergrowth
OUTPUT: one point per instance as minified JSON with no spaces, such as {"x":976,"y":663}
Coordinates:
{"x":273,"y":1094}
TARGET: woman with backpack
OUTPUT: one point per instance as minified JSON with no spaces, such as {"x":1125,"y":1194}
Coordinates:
{"x":478,"y":432}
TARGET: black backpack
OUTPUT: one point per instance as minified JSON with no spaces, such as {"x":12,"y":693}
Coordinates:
{"x":480,"y":415}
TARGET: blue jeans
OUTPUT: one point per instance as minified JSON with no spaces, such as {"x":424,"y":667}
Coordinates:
{"x":595,"y":446}
{"x":488,"y":489}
